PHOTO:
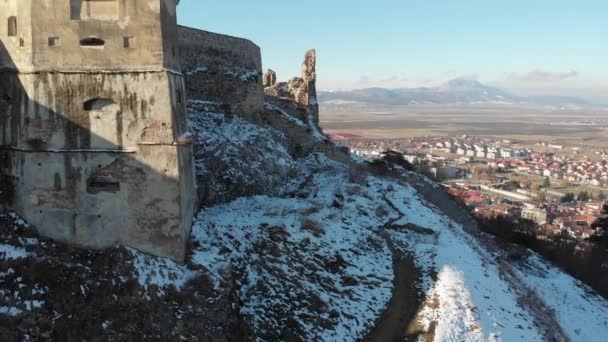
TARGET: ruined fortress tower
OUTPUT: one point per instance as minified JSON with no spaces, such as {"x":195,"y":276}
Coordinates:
{"x":93,"y":143}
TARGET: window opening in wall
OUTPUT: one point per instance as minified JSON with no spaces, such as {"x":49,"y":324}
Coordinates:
{"x":12,"y":26}
{"x":54,"y":41}
{"x":97,"y":104}
{"x":92,"y":42}
{"x":102,"y":183}
{"x":129,"y":42}
{"x":179,"y":96}
{"x":21,"y":42}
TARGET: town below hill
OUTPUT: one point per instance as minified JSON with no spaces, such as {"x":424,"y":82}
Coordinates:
{"x":548,"y":197}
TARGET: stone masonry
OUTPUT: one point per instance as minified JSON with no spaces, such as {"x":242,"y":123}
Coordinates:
{"x":223,"y":69}
{"x":301,"y":90}
{"x":93,"y":143}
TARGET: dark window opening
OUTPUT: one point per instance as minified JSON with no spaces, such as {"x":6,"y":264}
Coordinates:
{"x":92,"y":42}
{"x":36,"y":143}
{"x":12,"y":26}
{"x":129,"y":42}
{"x":97,"y":104}
{"x":54,"y":41}
{"x":97,"y":184}
{"x":179,"y":96}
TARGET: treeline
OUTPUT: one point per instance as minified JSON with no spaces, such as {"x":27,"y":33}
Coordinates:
{"x":586,"y":260}
{"x":584,"y":196}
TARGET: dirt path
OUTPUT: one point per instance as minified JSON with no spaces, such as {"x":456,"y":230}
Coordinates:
{"x":396,"y":321}
{"x":402,"y":308}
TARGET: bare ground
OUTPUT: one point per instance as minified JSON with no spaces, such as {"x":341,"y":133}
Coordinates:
{"x":94,"y":296}
{"x":396,"y":322}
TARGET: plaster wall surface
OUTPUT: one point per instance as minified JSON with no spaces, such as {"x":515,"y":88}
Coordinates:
{"x":113,"y":35}
{"x":20,"y":44}
{"x":93,"y":138}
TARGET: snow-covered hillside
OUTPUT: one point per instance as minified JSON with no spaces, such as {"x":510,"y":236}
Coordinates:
{"x":294,"y":245}
{"x":314,"y":260}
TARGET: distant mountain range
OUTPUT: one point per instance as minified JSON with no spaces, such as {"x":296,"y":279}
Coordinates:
{"x":457,"y":91}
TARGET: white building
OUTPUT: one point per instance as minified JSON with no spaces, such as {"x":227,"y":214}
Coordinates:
{"x":535,"y":214}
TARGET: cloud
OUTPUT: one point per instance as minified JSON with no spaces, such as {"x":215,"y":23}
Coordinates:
{"x":539,"y":75}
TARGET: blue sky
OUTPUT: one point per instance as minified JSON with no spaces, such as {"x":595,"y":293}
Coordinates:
{"x":526,"y":46}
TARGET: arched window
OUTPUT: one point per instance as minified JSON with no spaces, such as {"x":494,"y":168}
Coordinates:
{"x":97,"y":104}
{"x":12,"y":26}
{"x":92,"y":42}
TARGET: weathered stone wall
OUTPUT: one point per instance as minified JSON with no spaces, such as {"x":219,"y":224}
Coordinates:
{"x":222,"y":69}
{"x":93,"y":140}
{"x":92,"y":110}
{"x":130,"y":35}
{"x":105,"y":174}
{"x":20,"y":44}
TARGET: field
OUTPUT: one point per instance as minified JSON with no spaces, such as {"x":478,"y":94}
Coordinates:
{"x":587,"y":127}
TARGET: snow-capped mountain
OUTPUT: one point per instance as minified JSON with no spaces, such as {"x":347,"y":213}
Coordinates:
{"x":456,"y":91}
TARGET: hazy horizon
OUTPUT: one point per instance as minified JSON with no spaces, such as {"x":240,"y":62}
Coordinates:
{"x":540,"y":48}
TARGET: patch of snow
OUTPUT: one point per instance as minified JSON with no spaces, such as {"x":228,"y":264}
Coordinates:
{"x":242,"y":74}
{"x":9,"y":252}
{"x":197,"y":70}
{"x":18,"y":220}
{"x":33,"y":304}
{"x":162,"y":272}
{"x":582,"y":314}
{"x":10,"y":311}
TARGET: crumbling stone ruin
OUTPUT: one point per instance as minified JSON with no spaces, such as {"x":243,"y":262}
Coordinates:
{"x":93,"y":136}
{"x":301,"y":90}
{"x":270,"y":78}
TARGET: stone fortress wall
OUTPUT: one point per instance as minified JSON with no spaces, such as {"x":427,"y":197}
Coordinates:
{"x":93,"y":125}
{"x":222,"y":69}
